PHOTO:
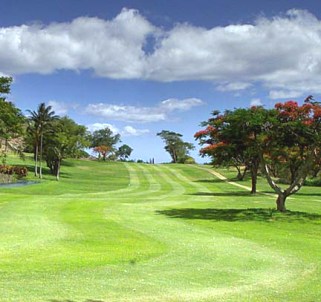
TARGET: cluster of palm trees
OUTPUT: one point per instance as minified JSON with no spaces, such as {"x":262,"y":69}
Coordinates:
{"x":40,"y":123}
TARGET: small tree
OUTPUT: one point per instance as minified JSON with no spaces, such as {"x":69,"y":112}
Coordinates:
{"x":67,"y":139}
{"x":175,"y":146}
{"x":102,"y":151}
{"x":106,"y":139}
{"x":40,"y":122}
{"x":124,"y":152}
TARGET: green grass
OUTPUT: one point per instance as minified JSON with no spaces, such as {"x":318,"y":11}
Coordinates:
{"x":137,"y":232}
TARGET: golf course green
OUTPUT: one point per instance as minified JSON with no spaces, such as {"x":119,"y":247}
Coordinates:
{"x":112,"y":231}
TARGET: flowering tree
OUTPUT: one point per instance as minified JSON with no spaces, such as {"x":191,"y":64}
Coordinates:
{"x":102,"y":151}
{"x":233,"y":138}
{"x":293,"y":142}
{"x":286,"y":140}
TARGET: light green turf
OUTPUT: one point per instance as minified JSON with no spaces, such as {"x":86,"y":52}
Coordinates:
{"x":137,"y":232}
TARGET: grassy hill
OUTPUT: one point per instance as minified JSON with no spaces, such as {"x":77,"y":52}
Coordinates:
{"x":137,"y":232}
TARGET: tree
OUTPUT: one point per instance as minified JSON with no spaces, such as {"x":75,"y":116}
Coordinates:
{"x":292,"y":140}
{"x":175,"y":146}
{"x":285,"y":140}
{"x":11,"y":120}
{"x":104,"y":137}
{"x":102,"y":151}
{"x":232,"y":138}
{"x":40,"y":122}
{"x":5,"y":84}
{"x":124,"y":152}
{"x":67,"y":139}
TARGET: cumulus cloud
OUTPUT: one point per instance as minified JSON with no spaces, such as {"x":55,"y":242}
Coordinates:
{"x":256,"y":102}
{"x":111,"y":48}
{"x":233,"y":86}
{"x":183,"y":105}
{"x":131,"y":131}
{"x":142,"y":114}
{"x":97,"y":126}
{"x":280,"y":53}
{"x":126,"y":131}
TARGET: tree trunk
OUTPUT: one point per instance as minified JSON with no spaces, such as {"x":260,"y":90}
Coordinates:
{"x":280,"y":202}
{"x":254,"y":170}
{"x":240,"y":175}
{"x":40,"y":165}
{"x":36,"y":159}
{"x":58,"y":170}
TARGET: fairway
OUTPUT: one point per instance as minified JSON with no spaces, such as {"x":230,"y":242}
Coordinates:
{"x":137,"y":232}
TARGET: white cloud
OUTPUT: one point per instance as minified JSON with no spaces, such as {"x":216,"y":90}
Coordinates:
{"x":126,"y":131}
{"x":183,"y":105}
{"x":62,"y":108}
{"x":111,"y":48}
{"x":126,"y":113}
{"x":280,"y":53}
{"x":256,"y":102}
{"x":142,"y":114}
{"x":284,"y":94}
{"x":98,"y":126}
{"x":233,"y":86}
{"x":131,"y":131}
{"x":59,"y":108}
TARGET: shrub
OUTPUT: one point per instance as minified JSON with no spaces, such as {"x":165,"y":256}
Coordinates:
{"x":8,"y":172}
{"x":189,"y":160}
{"x":313,"y":182}
{"x":20,"y":172}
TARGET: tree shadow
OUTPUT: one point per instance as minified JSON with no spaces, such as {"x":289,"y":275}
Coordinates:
{"x":68,"y":300}
{"x":241,"y":215}
{"x":234,"y":193}
{"x":307,"y":194}
{"x":217,"y":180}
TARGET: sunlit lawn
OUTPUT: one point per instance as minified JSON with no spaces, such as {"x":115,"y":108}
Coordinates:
{"x":137,"y":232}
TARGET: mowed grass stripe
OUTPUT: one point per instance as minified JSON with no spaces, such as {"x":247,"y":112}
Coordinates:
{"x":144,"y":242}
{"x":207,"y":251}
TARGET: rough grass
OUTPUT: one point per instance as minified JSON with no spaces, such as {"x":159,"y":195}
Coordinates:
{"x":137,"y":232}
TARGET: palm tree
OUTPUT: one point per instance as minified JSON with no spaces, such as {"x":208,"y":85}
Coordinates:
{"x":40,"y":122}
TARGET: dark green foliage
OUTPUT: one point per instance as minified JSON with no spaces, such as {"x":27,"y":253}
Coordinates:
{"x":175,"y":146}
{"x":104,"y":137}
{"x":67,"y":139}
{"x":11,"y":120}
{"x":124,"y":152}
{"x":5,"y":83}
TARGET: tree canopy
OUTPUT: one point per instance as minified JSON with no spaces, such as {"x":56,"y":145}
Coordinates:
{"x":175,"y":146}
{"x":11,"y":119}
{"x":285,"y":140}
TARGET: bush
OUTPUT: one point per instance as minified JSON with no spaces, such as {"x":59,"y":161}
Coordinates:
{"x":316,"y":182}
{"x":20,"y":172}
{"x":189,"y":160}
{"x":8,"y":172}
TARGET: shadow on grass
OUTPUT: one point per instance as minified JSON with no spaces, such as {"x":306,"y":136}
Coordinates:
{"x":308,"y":194}
{"x":216,"y":180}
{"x":46,"y":171}
{"x":234,"y":193}
{"x":239,"y":215}
{"x":67,"y":300}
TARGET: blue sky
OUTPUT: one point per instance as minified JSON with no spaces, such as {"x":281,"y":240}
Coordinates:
{"x":144,"y":66}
